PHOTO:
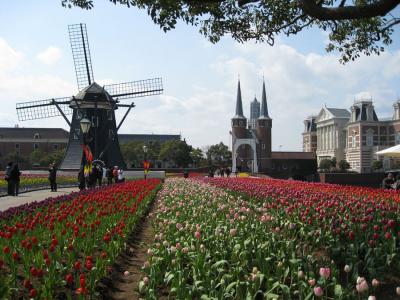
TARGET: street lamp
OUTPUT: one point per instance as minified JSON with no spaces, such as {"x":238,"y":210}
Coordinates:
{"x":85,"y":125}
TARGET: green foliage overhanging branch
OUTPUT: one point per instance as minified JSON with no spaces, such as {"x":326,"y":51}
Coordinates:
{"x":355,"y":27}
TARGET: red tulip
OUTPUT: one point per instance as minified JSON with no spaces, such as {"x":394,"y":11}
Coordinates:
{"x":69,"y":279}
{"x":32,"y":293}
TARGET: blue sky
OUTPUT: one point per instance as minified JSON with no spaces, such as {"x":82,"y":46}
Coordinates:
{"x":199,"y":78}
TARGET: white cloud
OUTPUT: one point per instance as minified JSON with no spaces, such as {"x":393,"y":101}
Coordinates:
{"x":50,"y":56}
{"x":9,"y":58}
{"x":20,"y":84}
{"x":297,"y":85}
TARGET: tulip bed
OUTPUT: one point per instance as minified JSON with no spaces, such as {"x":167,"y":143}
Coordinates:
{"x":62,"y":246}
{"x":246,"y":238}
{"x":30,"y":181}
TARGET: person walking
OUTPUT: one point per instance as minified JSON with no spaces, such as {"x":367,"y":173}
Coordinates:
{"x":15,"y":179}
{"x":121,"y":175}
{"x":115,"y":174}
{"x":109,"y":175}
{"x":53,"y":177}
{"x":228,"y":172}
{"x":81,"y":178}
{"x":7,"y":175}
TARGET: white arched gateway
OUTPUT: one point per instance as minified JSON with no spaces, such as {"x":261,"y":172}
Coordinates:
{"x":236,"y":143}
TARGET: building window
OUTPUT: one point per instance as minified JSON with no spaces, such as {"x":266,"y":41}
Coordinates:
{"x":240,"y":123}
{"x":109,"y":115}
{"x":35,"y":146}
{"x":17,"y":149}
{"x":78,"y":115}
{"x":353,"y":139}
{"x":263,"y":146}
{"x":77,"y":133}
{"x":370,"y":138}
{"x":95,"y":121}
{"x":284,"y":166}
{"x":17,"y":146}
{"x":111,"y":134}
{"x":55,"y":146}
{"x":36,"y":136}
{"x":397,"y":138}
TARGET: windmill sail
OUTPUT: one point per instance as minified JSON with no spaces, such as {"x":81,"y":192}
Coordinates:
{"x":135,"y":89}
{"x":81,"y":55}
{"x":43,"y":109}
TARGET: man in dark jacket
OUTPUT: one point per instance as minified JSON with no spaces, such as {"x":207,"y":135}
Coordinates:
{"x":53,"y":177}
{"x":15,"y":178}
{"x":7,"y":178}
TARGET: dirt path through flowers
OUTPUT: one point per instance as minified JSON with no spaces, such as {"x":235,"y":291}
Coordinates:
{"x":119,"y":286}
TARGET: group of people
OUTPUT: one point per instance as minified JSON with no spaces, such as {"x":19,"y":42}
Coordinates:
{"x":391,"y":183}
{"x":89,"y":176}
{"x":221,"y":171}
{"x":12,"y":176}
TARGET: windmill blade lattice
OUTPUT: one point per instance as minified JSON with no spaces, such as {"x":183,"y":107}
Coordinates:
{"x":135,"y":89}
{"x":43,"y":109}
{"x":81,"y":55}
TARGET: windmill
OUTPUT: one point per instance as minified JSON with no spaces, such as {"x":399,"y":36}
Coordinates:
{"x":94,"y":104}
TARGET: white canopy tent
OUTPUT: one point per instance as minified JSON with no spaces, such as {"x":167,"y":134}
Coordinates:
{"x":390,"y":152}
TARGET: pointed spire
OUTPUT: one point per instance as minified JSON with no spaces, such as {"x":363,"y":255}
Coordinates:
{"x":264,"y":107}
{"x":239,"y":106}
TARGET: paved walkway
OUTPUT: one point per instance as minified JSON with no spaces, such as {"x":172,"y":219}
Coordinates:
{"x":10,"y":201}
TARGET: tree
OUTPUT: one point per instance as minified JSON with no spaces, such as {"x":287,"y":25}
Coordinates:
{"x":219,"y":154}
{"x":133,"y":152}
{"x":333,"y":162}
{"x":343,"y":165}
{"x":377,"y":165}
{"x":197,"y":156}
{"x":325,"y":164}
{"x":355,"y":27}
{"x":177,"y":152}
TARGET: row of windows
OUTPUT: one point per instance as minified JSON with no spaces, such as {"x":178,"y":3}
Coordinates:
{"x":35,"y":146}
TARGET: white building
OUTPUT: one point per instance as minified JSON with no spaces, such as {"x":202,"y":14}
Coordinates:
{"x":331,"y":133}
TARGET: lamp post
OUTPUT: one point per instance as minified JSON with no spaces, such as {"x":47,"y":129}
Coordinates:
{"x":145,"y":165}
{"x":85,"y":126}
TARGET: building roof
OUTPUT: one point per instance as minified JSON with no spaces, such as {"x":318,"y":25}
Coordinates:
{"x":94,"y":92}
{"x":264,"y":106}
{"x":339,"y":112}
{"x":239,"y":105}
{"x":28,"y":133}
{"x":293,"y":155}
{"x":126,"y":138}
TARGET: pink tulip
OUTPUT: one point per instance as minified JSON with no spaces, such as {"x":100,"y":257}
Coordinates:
{"x":375,"y":283}
{"x":318,"y":291}
{"x":311,"y":282}
{"x":233,"y":232}
{"x":197,"y":235}
{"x":371,"y":298}
{"x":325,"y":272}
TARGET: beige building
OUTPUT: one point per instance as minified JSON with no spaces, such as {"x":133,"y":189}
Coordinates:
{"x":331,"y":133}
{"x":356,"y":136}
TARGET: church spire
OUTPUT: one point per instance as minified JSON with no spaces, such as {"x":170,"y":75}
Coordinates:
{"x":264,"y":106}
{"x":239,"y":106}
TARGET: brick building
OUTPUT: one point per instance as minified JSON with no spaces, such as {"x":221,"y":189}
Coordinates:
{"x":252,"y":144}
{"x":356,"y":135}
{"x":24,"y":141}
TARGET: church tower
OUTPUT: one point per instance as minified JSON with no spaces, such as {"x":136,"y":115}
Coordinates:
{"x":239,"y":122}
{"x":263,"y":133}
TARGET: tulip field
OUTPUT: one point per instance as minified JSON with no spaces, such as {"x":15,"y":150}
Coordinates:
{"x":61,"y":247}
{"x":32,"y":181}
{"x":250,"y":238}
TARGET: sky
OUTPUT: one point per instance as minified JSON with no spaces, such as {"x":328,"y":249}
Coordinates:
{"x":199,"y":78}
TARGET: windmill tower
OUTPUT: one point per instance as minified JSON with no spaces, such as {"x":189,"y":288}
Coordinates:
{"x":94,"y":103}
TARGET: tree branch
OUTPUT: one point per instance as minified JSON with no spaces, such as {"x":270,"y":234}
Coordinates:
{"x":379,"y":8}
